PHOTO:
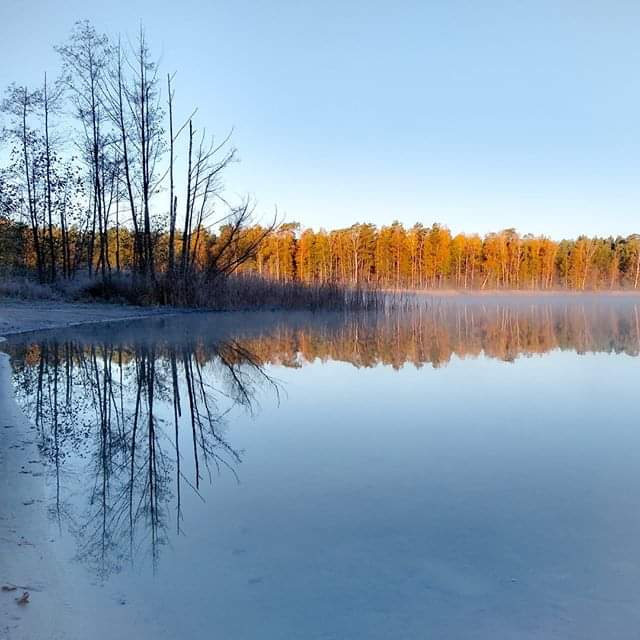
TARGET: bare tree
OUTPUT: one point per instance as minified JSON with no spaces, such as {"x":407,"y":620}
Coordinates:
{"x":85,"y":59}
{"x":50,"y":101}
{"x":206,"y":165}
{"x":21,"y":104}
{"x":147,"y":116}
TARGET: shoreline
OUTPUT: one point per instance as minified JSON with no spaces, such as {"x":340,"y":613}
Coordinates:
{"x":26,"y":316}
{"x":19,"y":316}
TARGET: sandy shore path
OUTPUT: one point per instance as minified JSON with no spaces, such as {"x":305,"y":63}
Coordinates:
{"x":19,"y":317}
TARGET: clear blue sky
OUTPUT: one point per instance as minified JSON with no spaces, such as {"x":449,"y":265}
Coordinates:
{"x":479,"y":115}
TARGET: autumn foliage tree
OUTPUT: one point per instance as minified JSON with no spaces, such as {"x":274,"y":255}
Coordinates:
{"x":431,"y":258}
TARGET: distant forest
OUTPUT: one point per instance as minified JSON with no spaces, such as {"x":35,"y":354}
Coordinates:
{"x":390,"y":256}
{"x":431,"y":257}
{"x":99,"y":177}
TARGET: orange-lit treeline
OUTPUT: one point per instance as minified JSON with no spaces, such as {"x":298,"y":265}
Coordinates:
{"x":388,"y":256}
{"x":431,"y":257}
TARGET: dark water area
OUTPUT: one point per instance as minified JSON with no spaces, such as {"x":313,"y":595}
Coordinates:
{"x":462,"y":469}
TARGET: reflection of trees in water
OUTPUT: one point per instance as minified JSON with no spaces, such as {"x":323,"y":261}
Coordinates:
{"x":123,"y":412}
{"x":433,"y":334}
{"x":147,"y":417}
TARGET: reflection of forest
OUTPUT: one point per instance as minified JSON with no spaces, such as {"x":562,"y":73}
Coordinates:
{"x":125,"y":427}
{"x":432,"y":335}
{"x":131,"y":418}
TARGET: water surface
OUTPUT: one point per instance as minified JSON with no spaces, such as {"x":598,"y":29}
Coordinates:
{"x":454,"y":470}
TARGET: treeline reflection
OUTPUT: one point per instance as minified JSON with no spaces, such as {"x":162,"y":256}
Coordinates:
{"x":129,"y":418}
{"x":433,"y":335}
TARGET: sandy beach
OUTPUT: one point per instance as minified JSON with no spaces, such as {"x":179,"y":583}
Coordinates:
{"x":24,"y":316}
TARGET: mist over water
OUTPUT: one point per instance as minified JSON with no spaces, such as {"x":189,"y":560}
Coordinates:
{"x":456,"y":468}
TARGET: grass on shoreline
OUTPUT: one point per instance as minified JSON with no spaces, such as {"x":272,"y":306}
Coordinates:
{"x":253,"y":293}
{"x":233,"y":293}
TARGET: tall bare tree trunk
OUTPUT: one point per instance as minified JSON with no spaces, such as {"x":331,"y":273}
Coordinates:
{"x":47,"y":146}
{"x":173,"y":203}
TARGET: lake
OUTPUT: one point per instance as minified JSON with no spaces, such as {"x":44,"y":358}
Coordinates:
{"x":456,"y":468}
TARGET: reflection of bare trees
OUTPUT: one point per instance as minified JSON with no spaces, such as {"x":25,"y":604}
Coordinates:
{"x":127,"y":426}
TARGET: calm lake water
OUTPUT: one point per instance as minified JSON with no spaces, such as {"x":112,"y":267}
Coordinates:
{"x":456,"y":470}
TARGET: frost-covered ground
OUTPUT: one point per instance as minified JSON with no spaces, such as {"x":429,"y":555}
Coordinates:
{"x":18,"y":316}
